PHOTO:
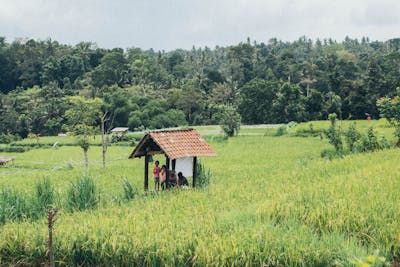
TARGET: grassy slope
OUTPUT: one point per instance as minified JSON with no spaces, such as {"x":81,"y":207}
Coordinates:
{"x":272,"y":200}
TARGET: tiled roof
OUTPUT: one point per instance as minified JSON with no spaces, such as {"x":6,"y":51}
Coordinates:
{"x":176,"y":144}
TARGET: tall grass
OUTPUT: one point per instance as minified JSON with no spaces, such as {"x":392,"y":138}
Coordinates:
{"x":44,"y":194}
{"x":203,"y":175}
{"x":130,"y":191}
{"x":13,"y":205}
{"x":82,"y":194}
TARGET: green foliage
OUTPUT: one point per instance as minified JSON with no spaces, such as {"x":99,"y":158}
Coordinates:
{"x":375,"y":260}
{"x":83,"y":142}
{"x":44,"y":194}
{"x":130,"y":191}
{"x":229,"y":120}
{"x":7,"y":138}
{"x":370,"y":142}
{"x":334,"y":133}
{"x":273,"y":82}
{"x":352,"y":136}
{"x":389,"y":108}
{"x":333,"y":154}
{"x":13,"y":149}
{"x":310,"y":131}
{"x":203,"y":176}
{"x":282,"y":130}
{"x":356,"y":142}
{"x":13,"y":205}
{"x":82,"y":194}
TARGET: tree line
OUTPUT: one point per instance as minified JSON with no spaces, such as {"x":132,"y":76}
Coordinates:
{"x":273,"y":82}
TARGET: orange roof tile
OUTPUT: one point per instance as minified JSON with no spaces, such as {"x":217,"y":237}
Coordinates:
{"x":174,"y":144}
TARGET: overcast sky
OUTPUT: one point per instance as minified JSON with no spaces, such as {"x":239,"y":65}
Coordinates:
{"x":170,"y":24}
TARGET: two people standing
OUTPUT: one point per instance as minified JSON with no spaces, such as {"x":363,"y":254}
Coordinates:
{"x":161,"y":173}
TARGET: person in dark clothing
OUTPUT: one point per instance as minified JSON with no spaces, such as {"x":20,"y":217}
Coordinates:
{"x":182,"y":181}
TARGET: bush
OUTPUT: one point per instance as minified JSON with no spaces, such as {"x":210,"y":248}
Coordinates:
{"x":352,"y":136}
{"x":229,"y":120}
{"x":333,"y":154}
{"x":13,"y":149}
{"x":7,"y":138}
{"x":129,"y":190}
{"x":308,"y":132}
{"x":282,"y":130}
{"x":203,"y":176}
{"x":82,"y":195}
{"x":334,"y":134}
{"x":370,"y":142}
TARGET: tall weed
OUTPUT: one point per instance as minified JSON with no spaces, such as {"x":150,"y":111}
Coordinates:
{"x":82,"y":194}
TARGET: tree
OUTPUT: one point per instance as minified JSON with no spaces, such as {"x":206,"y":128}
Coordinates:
{"x":82,"y":117}
{"x":334,"y":134}
{"x":389,"y":108}
{"x":112,"y":70}
{"x":229,"y":119}
{"x":289,"y":104}
{"x":256,"y":101}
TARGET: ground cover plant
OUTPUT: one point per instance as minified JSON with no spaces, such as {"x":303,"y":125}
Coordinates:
{"x":272,"y":200}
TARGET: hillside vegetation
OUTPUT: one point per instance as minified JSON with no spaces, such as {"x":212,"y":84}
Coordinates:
{"x":263,"y":82}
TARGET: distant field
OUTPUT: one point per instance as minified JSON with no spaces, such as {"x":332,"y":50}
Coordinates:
{"x":272,"y":201}
{"x":211,"y":130}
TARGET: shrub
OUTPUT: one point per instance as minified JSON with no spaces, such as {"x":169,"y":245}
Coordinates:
{"x":282,"y":130}
{"x":308,"y":132}
{"x":229,"y":119}
{"x":129,"y":190}
{"x":203,"y":176}
{"x":82,"y":194}
{"x":334,"y":134}
{"x":389,"y":108}
{"x":370,"y":142}
{"x":333,"y":154}
{"x":352,"y":136}
{"x":7,"y":138}
{"x":13,"y":149}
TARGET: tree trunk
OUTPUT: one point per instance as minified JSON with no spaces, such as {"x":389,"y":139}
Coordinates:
{"x":85,"y":153}
{"x":103,"y":140}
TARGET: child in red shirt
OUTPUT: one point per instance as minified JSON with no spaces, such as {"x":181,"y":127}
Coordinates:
{"x":156,"y":175}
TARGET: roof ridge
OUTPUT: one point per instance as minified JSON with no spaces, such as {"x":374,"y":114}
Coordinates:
{"x":172,"y":130}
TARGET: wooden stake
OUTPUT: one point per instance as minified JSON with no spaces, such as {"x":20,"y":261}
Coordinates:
{"x":50,"y":222}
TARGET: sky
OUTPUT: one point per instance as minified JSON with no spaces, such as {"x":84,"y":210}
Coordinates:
{"x":172,"y":24}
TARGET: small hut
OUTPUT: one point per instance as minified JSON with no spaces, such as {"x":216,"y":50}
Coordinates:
{"x":180,"y":147}
{"x":5,"y":160}
{"x":120,"y":131}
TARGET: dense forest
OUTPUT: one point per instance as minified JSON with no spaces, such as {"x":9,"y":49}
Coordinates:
{"x":273,"y":82}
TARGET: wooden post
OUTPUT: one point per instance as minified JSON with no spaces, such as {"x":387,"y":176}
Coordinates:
{"x":50,"y":222}
{"x":173,"y":164}
{"x":167,"y":173}
{"x":146,"y":173}
{"x":194,"y":171}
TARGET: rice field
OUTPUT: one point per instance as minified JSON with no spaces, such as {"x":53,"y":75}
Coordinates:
{"x":272,"y":201}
